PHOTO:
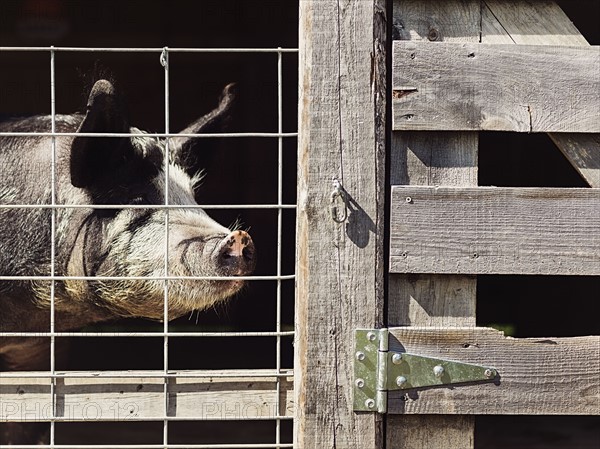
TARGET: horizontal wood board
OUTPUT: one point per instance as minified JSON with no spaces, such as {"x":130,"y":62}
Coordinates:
{"x":495,"y":230}
{"x":537,"y":376}
{"x":142,"y":398}
{"x":439,"y":86}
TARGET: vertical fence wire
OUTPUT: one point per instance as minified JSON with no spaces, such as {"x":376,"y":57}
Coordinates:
{"x":164,"y":59}
{"x":279,"y":237}
{"x":52,"y":249}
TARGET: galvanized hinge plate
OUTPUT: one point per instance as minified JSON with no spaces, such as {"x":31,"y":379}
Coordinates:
{"x":378,"y":370}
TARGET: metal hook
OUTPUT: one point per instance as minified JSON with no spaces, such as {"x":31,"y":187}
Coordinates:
{"x":338,"y":194}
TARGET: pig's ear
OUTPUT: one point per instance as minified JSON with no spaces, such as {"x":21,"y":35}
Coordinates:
{"x":93,"y":158}
{"x":213,"y":122}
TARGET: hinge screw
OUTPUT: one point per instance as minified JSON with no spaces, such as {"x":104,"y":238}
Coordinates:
{"x":438,"y":370}
{"x":396,"y":359}
{"x":489,"y":373}
{"x":371,"y":336}
{"x":370,"y":403}
{"x":360,"y":356}
{"x":360,"y":383}
{"x":400,"y":381}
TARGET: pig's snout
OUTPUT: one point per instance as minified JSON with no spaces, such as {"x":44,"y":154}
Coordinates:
{"x":235,"y":254}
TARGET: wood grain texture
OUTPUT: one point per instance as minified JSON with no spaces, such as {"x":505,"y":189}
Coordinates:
{"x":544,"y":23}
{"x":458,"y":87}
{"x":424,"y":158}
{"x":434,"y":158}
{"x":491,"y":230}
{"x":339,"y":266}
{"x":108,"y":399}
{"x":583,"y":151}
{"x":450,"y":20}
{"x":441,"y":158}
{"x":430,"y":431}
{"x":541,"y":22}
{"x":424,"y":300}
{"x":538,"y":376}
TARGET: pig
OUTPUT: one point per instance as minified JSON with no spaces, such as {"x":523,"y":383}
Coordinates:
{"x":109,"y":241}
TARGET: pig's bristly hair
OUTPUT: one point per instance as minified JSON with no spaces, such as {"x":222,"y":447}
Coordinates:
{"x":238,"y":225}
{"x":197,"y":179}
{"x":146,"y":145}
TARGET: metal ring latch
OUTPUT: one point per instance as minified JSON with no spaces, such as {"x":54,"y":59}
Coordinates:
{"x":338,"y":195}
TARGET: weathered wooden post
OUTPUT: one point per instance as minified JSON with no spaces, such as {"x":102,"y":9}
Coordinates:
{"x":340,"y":271}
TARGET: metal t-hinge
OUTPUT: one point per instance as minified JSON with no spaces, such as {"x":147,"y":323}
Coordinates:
{"x":378,"y":370}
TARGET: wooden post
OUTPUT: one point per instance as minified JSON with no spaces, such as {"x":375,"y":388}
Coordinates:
{"x":339,"y":265}
{"x":440,"y":158}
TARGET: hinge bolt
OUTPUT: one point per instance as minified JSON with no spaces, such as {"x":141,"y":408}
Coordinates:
{"x":489,"y":373}
{"x":370,"y":403}
{"x":396,"y":359}
{"x":438,"y":370}
{"x":371,"y":336}
{"x":360,"y":356}
{"x":400,"y":381}
{"x":360,"y":383}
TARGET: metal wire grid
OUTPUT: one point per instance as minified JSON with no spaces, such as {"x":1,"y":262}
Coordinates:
{"x":278,"y":373}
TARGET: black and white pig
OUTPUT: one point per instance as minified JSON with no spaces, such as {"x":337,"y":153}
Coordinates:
{"x":116,"y":242}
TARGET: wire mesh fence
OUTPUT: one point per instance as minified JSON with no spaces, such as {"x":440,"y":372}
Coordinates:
{"x":169,"y":395}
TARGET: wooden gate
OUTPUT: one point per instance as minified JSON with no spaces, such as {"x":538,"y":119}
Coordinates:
{"x":457,"y":68}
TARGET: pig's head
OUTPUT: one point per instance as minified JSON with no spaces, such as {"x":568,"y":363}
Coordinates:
{"x":131,"y":242}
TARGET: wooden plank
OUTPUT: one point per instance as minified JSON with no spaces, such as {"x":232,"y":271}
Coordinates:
{"x":340,"y":273}
{"x":538,"y":376}
{"x":438,"y":301}
{"x":495,"y":230}
{"x":445,"y":86}
{"x":448,"y":20}
{"x":434,"y":158}
{"x":544,"y":23}
{"x":427,"y":159}
{"x":583,"y":151}
{"x":141,"y":398}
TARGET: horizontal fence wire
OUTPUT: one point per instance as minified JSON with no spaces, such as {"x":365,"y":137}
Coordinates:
{"x":278,"y":374}
{"x":157,"y":446}
{"x":152,"y":49}
{"x":146,"y":375}
{"x":147,"y":334}
{"x":277,"y":135}
{"x":147,"y":278}
{"x":145,"y":206}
